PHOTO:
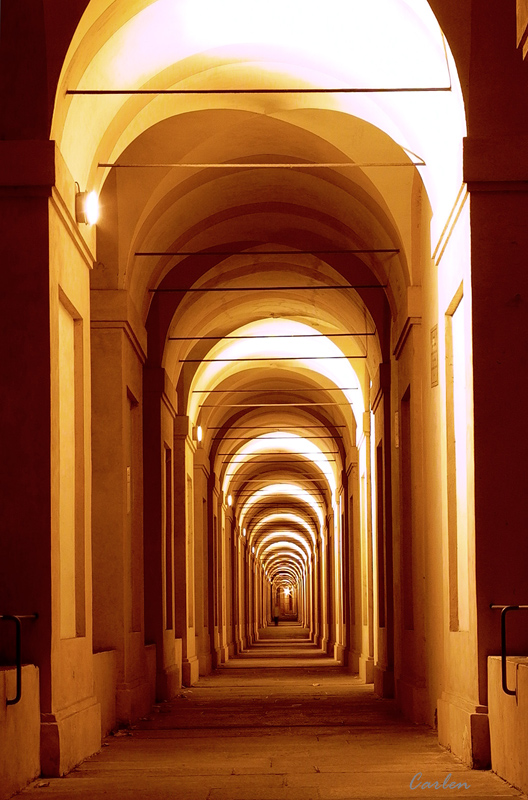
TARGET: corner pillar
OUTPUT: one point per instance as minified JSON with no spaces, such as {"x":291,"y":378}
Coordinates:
{"x":184,"y":572}
{"x":118,"y":352}
{"x":45,"y":468}
{"x":159,"y":412}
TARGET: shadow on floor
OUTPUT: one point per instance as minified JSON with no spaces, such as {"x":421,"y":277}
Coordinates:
{"x":280,"y":722}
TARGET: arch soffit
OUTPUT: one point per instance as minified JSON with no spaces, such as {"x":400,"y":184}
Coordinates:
{"x":110,"y":23}
{"x":98,"y":20}
{"x":195,"y":210}
{"x":102,"y":46}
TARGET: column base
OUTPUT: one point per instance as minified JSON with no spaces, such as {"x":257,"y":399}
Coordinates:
{"x":366,"y":669}
{"x":463,"y":728}
{"x":190,"y":671}
{"x":168,"y":682}
{"x":132,"y":700}
{"x":339,"y":654}
{"x":105,"y":671}
{"x":413,"y":701}
{"x":69,"y":736}
{"x":352,"y":661}
{"x":383,"y":681}
{"x":206,"y":664}
{"x":220,"y":656}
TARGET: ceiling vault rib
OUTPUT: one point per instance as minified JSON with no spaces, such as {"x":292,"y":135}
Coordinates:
{"x":271,"y":405}
{"x":267,"y":336}
{"x":273,"y":391}
{"x":265,"y":90}
{"x":262,"y":165}
{"x":280,"y":453}
{"x":262,"y":252}
{"x":265,"y":439}
{"x":265,"y":358}
{"x":270,"y":288}
{"x":292,"y":477}
{"x":287,"y":461}
{"x":274,"y":427}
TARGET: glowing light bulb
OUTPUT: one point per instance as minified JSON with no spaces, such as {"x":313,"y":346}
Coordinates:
{"x":87,"y":207}
{"x":91,"y":208}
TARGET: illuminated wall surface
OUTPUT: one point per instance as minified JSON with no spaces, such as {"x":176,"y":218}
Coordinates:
{"x":282,"y":317}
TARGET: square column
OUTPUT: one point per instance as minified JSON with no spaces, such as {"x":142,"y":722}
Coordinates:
{"x":118,"y":353}
{"x":496,"y":171}
{"x":201,"y":561}
{"x":159,"y":412}
{"x":185,"y":610}
{"x":45,"y":434}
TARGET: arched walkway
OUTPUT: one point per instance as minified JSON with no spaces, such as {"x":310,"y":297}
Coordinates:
{"x":278,"y":379}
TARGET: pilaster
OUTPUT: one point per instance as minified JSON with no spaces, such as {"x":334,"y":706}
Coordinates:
{"x":159,"y":412}
{"x":118,"y":354}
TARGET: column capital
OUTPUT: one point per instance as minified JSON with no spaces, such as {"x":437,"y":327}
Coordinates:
{"x":157,"y":382}
{"x":113,"y":308}
{"x":496,"y":164}
{"x":410,"y":315}
{"x":380,"y":384}
{"x":27,"y":163}
{"x":201,"y":461}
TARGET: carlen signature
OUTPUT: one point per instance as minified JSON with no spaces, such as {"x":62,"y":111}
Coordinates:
{"x":417,"y":783}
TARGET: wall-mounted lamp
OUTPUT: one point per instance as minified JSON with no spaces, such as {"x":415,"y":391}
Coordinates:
{"x":229,"y":500}
{"x":87,"y":207}
{"x":252,"y":549}
{"x":244,"y":531}
{"x":198,"y":433}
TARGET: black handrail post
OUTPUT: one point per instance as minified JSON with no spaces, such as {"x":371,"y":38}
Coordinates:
{"x":16,"y":618}
{"x":503,"y":650}
{"x":504,"y":611}
{"x":18,"y":658}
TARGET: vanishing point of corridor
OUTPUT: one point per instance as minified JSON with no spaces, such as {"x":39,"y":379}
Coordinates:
{"x":281,"y":720}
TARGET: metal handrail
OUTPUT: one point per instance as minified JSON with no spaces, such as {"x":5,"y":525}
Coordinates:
{"x":16,"y":618}
{"x":505,"y":610}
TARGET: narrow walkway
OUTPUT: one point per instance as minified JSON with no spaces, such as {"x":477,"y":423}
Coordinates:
{"x":280,"y":722}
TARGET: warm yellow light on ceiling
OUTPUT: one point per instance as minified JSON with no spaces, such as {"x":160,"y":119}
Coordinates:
{"x":272,"y":338}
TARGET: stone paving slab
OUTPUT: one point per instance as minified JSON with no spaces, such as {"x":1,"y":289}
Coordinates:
{"x":267,"y":733}
{"x":263,"y":793}
{"x":397,"y":783}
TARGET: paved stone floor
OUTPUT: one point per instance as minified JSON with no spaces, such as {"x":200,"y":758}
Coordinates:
{"x":281,"y":722}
